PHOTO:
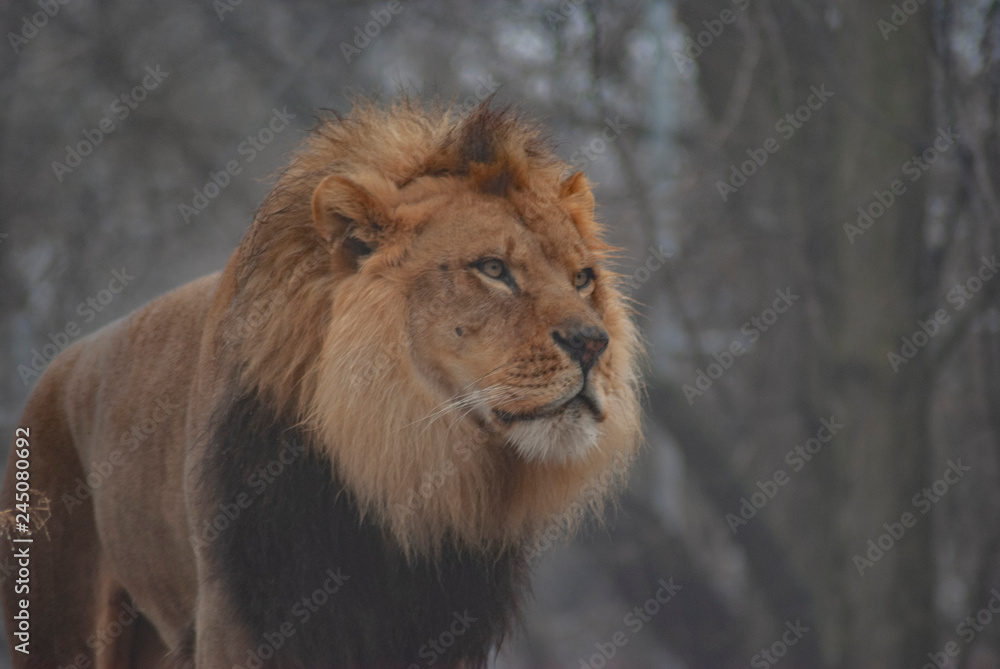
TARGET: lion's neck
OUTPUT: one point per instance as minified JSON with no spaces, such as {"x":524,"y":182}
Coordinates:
{"x":301,"y":551}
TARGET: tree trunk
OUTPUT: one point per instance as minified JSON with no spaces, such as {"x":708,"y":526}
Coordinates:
{"x":860,"y":289}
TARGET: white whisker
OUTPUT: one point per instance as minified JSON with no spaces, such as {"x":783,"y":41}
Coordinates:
{"x":477,"y":397}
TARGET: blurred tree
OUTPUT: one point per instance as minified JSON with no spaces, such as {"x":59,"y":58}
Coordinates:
{"x":739,"y":138}
{"x":822,"y":151}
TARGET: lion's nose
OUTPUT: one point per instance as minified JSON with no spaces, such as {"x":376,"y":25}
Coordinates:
{"x":583,"y":343}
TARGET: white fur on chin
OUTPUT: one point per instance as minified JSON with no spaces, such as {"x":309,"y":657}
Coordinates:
{"x":565,"y":437}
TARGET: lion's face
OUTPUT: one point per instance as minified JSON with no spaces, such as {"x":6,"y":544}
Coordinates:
{"x":473,"y":348}
{"x":511,"y":321}
{"x":506,"y":319}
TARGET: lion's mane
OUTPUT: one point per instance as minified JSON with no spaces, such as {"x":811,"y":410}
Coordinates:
{"x":345,"y":373}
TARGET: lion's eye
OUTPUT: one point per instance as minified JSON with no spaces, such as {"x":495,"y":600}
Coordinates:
{"x":583,"y":278}
{"x":497,"y":270}
{"x":493,"y":268}
{"x":357,"y":247}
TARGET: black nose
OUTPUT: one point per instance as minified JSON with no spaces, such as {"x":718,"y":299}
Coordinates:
{"x":583,"y":343}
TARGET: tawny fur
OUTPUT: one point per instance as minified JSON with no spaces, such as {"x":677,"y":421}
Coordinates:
{"x":360,"y":344}
{"x":356,"y":350}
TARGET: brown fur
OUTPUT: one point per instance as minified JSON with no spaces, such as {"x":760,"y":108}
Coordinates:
{"x":395,"y":363}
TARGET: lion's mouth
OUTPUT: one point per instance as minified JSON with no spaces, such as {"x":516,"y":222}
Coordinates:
{"x":584,"y":400}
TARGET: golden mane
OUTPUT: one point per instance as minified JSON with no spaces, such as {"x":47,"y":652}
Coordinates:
{"x":330,"y":351}
{"x":415,"y":362}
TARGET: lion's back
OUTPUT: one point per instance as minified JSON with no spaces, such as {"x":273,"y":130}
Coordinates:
{"x":127,"y":368}
{"x":121,"y":397}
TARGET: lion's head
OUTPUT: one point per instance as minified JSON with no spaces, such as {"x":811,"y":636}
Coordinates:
{"x":439,"y":314}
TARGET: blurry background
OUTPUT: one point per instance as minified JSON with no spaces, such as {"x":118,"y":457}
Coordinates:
{"x":807,"y":195}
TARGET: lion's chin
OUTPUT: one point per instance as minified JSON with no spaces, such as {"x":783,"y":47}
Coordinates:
{"x":565,"y":437}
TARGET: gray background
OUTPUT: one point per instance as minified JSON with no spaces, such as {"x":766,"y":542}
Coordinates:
{"x":693,"y":94}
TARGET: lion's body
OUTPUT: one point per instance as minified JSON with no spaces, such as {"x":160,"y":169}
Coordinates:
{"x":93,"y":551}
{"x":333,"y":452}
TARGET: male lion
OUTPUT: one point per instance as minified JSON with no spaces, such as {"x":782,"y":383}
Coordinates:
{"x":335,"y":452}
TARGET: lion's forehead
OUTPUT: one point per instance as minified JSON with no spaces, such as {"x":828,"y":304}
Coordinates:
{"x":466,"y":227}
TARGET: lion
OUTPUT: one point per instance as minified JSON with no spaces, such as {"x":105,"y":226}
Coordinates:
{"x":335,"y":451}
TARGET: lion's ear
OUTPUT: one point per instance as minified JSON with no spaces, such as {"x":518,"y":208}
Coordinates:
{"x":577,"y":198}
{"x":348,"y":215}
